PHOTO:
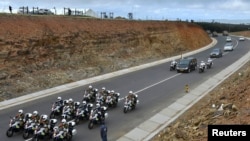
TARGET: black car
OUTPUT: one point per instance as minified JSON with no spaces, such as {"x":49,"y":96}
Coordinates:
{"x":216,"y":53}
{"x":187,"y":64}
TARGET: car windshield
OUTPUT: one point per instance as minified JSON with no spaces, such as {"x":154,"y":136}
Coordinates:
{"x":184,"y":62}
{"x":216,"y":50}
{"x":228,"y":44}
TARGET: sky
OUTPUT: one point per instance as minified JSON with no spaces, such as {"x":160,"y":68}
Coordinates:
{"x":197,"y":10}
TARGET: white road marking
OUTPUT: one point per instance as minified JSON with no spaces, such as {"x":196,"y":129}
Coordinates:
{"x":153,"y":85}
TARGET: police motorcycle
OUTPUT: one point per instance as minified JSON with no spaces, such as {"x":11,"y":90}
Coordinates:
{"x":101,"y":99}
{"x":64,"y":134}
{"x":56,"y":109}
{"x":69,"y":111}
{"x":44,"y":131}
{"x":16,"y":125}
{"x":29,"y":127}
{"x":130,"y":104}
{"x":83,"y":112}
{"x":202,"y":67}
{"x":209,"y":63}
{"x":97,"y":115}
{"x":90,"y":96}
{"x":112,"y":99}
{"x":173,"y":65}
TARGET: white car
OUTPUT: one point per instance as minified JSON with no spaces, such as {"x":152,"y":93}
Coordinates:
{"x":228,"y":39}
{"x":241,"y":38}
{"x":228,"y":47}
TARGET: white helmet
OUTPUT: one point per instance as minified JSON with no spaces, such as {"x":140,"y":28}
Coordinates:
{"x":103,"y":88}
{"x":70,"y":100}
{"x":35,"y":113}
{"x":90,"y":87}
{"x":112,"y":91}
{"x":84,"y":102}
{"x":59,"y":98}
{"x":130,"y":92}
{"x":63,"y":120}
{"x":45,"y":117}
{"x":20,"y":111}
{"x":98,"y":105}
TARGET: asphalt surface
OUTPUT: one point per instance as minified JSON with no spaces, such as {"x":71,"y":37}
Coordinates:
{"x":156,"y":86}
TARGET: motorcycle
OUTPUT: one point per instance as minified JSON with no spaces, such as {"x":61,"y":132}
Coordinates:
{"x":97,"y":117}
{"x":112,"y":100}
{"x":90,"y":97}
{"x":209,"y":64}
{"x":202,"y":67}
{"x":14,"y":126}
{"x":173,"y":65}
{"x":100,"y":99}
{"x":29,"y":128}
{"x":64,"y":135}
{"x":40,"y":132}
{"x":83,"y":113}
{"x":130,"y":105}
{"x":56,"y":110}
{"x":67,"y":113}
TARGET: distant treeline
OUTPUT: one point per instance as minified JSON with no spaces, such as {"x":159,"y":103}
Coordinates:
{"x":220,"y":27}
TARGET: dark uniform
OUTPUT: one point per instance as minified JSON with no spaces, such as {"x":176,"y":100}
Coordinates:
{"x":104,"y":130}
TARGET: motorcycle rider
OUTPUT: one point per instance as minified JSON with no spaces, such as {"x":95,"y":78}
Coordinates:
{"x":64,"y":126}
{"x":89,"y":93}
{"x":44,"y":123}
{"x":35,"y":116}
{"x":100,"y":113}
{"x":69,"y":105}
{"x":59,"y":101}
{"x":209,"y":62}
{"x":110,"y":97}
{"x":89,"y":90}
{"x":101,"y":97}
{"x":86,"y":106}
{"x":203,"y":65}
{"x":20,"y":117}
{"x":173,"y":63}
{"x":132,"y":98}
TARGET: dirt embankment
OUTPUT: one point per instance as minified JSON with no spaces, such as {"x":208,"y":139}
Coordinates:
{"x":39,"y":52}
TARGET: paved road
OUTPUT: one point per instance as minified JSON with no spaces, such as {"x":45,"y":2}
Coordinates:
{"x":156,"y":86}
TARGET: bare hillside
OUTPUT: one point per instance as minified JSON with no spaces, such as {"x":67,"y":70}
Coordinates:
{"x":39,"y":52}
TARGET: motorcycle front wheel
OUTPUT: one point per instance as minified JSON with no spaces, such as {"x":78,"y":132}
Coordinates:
{"x":91,"y":125}
{"x":52,"y":115}
{"x":35,"y":139}
{"x":77,"y":120}
{"x":125,"y":110}
{"x":26,"y":134}
{"x":9,"y":132}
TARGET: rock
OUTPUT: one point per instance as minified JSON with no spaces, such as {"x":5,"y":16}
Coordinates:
{"x":235,"y":108}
